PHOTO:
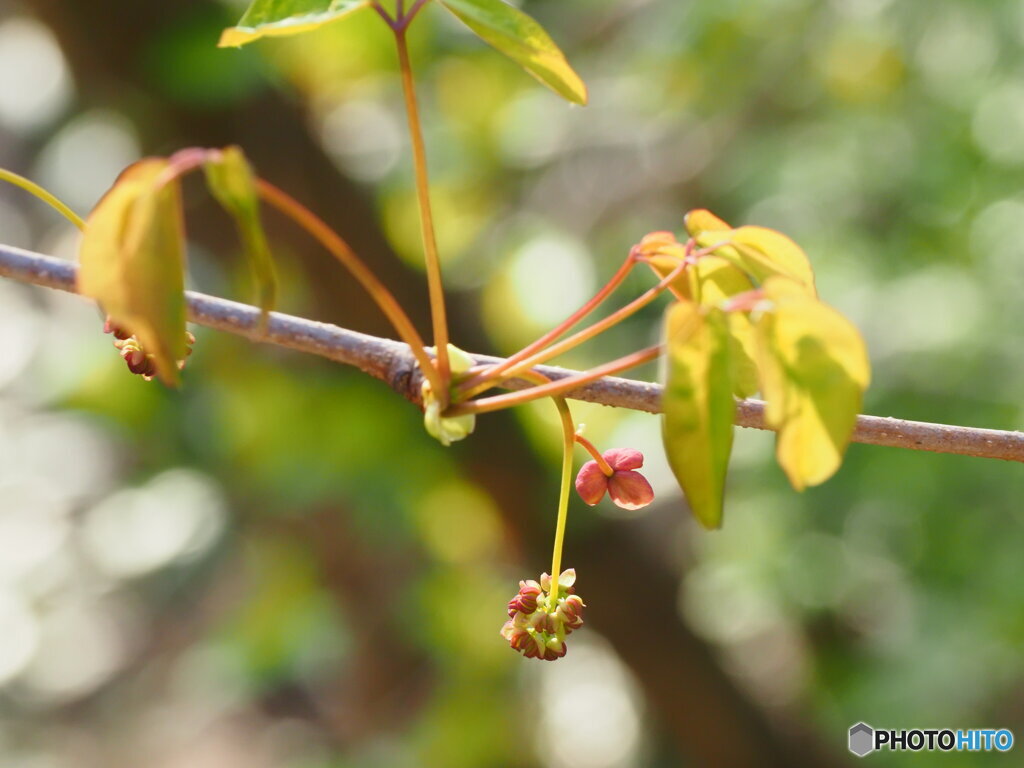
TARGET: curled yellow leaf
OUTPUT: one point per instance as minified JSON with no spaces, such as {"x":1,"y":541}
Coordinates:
{"x":814,"y":370}
{"x":132,"y":261}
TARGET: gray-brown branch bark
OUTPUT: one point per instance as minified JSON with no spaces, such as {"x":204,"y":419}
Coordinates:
{"x":391,"y":362}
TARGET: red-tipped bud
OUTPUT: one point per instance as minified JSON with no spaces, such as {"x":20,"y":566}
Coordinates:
{"x":119,"y":333}
{"x":526,"y":600}
{"x":135,"y":356}
{"x":554,"y":649}
{"x":570,"y":613}
{"x":137,"y":360}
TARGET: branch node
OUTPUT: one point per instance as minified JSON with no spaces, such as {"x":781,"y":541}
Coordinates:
{"x":405,"y":378}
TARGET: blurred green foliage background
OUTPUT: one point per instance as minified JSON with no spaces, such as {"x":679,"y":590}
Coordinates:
{"x":277,"y":567}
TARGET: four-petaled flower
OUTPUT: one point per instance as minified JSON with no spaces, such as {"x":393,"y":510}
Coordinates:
{"x":627,"y":487}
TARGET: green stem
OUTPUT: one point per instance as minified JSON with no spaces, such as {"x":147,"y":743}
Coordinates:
{"x":50,"y":199}
{"x":569,"y":437}
{"x":555,"y":388}
{"x":568,"y":440}
{"x":330,"y":240}
{"x":437,"y":309}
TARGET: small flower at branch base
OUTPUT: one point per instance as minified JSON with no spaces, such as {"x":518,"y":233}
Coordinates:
{"x":447,"y":429}
{"x":627,"y":487}
{"x":119,"y":333}
{"x":138,"y":361}
{"x":537,"y":625}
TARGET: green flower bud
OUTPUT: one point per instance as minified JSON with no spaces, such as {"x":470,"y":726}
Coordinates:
{"x":447,"y":429}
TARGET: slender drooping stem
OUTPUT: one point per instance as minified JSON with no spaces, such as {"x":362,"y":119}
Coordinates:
{"x":495,"y":373}
{"x":332,"y":241}
{"x":559,"y":387}
{"x":568,"y":441}
{"x":50,"y":199}
{"x":419,"y":154}
{"x":606,"y":468}
{"x":569,"y":437}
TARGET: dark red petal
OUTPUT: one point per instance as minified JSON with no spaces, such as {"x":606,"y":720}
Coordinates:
{"x":630,"y":490}
{"x":624,"y":458}
{"x":591,"y":483}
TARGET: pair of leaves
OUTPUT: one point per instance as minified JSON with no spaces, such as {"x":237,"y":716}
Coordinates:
{"x":500,"y":25}
{"x":807,"y":359}
{"x":132,"y":255}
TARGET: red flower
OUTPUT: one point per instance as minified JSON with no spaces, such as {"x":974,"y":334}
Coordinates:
{"x":628,"y":488}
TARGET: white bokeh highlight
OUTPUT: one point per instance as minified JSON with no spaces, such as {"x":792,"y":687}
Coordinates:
{"x":589,"y":709}
{"x":34,"y":81}
{"x":135,"y":531}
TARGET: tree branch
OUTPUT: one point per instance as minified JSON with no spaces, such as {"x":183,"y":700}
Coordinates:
{"x":392,"y":362}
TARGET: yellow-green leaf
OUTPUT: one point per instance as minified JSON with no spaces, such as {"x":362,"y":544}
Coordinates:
{"x":718,"y":280}
{"x":743,"y":349}
{"x":710,"y":282}
{"x":271,"y":18}
{"x":132,"y":262}
{"x":714,"y":281}
{"x":814,"y":369}
{"x":232,"y":182}
{"x":767,"y":252}
{"x":759,"y":251}
{"x":702,"y":220}
{"x":698,"y":405}
{"x":523,"y":40}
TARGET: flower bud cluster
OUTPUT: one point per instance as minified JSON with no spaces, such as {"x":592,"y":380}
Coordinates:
{"x":137,"y":359}
{"x":538,"y":624}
